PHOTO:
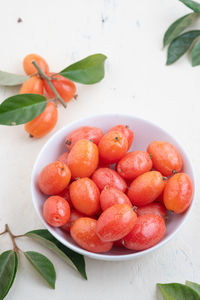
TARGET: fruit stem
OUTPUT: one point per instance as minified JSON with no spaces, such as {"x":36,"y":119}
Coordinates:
{"x":12,"y":236}
{"x":44,"y":76}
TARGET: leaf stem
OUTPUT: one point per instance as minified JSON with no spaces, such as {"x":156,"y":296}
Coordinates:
{"x":44,"y":76}
{"x":12,"y":236}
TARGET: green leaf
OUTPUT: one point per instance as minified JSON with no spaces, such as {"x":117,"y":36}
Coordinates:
{"x":8,"y":269}
{"x":43,"y":265}
{"x":196,"y":54}
{"x":195,"y":6}
{"x":177,"y":291}
{"x":20,"y":109}
{"x":72,"y":258}
{"x":177,"y":27}
{"x":88,"y":70}
{"x":180,"y":45}
{"x":194,"y":286}
{"x":9,"y":79}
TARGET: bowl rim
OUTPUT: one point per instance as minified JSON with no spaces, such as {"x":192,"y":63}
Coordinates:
{"x":101,"y":256}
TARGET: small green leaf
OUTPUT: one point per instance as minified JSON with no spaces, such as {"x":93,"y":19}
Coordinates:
{"x":180,"y":45}
{"x":88,"y":70}
{"x":20,"y":109}
{"x":195,"y":6}
{"x":43,"y":265}
{"x":177,"y":27}
{"x":194,"y":286}
{"x":8,"y":269}
{"x":72,"y":258}
{"x":177,"y":291}
{"x":196,"y":54}
{"x":9,"y":79}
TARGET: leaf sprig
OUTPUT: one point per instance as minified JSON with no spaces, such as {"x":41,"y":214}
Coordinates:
{"x":22,"y":108}
{"x":9,"y":259}
{"x":179,"y":43}
{"x":178,"y":291}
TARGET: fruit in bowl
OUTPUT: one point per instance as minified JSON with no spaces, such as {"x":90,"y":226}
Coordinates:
{"x":120,"y":185}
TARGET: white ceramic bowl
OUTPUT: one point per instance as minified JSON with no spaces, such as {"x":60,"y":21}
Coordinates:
{"x":145,"y":132}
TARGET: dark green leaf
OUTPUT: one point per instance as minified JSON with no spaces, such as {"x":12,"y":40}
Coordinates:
{"x":195,"y":6}
{"x":180,"y":45}
{"x":43,"y":265}
{"x":8,"y":269}
{"x":9,"y":79}
{"x":46,"y":238}
{"x":177,"y":27}
{"x":194,"y":286}
{"x":196,"y":54}
{"x":88,"y":70}
{"x":20,"y":109}
{"x":177,"y":291}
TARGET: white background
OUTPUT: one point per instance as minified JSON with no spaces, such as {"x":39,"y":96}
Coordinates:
{"x":137,"y":81}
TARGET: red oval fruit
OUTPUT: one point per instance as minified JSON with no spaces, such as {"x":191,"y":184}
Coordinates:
{"x":44,"y":123}
{"x":63,"y":157}
{"x":33,"y":85}
{"x":65,"y":194}
{"x":115,"y":222}
{"x":160,"y":197}
{"x":56,"y":211}
{"x":106,"y":176}
{"x":126,"y":131}
{"x":111,"y":196}
{"x":146,"y":188}
{"x":75,"y":215}
{"x":165,"y":157}
{"x":134,"y":164}
{"x":84,"y":234}
{"x":65,"y":87}
{"x":29,"y":68}
{"x":54,"y":178}
{"x":152,"y":209}
{"x":83,"y":159}
{"x":85,"y":132}
{"x":112,"y":146}
{"x":178,"y":193}
{"x":147,"y":232}
{"x":85,"y":196}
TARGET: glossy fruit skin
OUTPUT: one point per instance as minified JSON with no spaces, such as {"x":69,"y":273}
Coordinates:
{"x":85,"y":196}
{"x":111,"y":196}
{"x":34,"y":85}
{"x":105,"y":176}
{"x":66,"y":195}
{"x":74,"y":215}
{"x":84,"y":234}
{"x":43,"y":123}
{"x":134,"y":164}
{"x":165,"y":157}
{"x":115,"y":222}
{"x":126,"y":131}
{"x":54,"y":178}
{"x":29,"y":67}
{"x":65,"y":87}
{"x":56,"y":211}
{"x":146,"y":188}
{"x":84,"y":132}
{"x":63,"y":157}
{"x":178,"y":193}
{"x":147,"y":232}
{"x":160,"y":197}
{"x":154,"y":208}
{"x":112,"y":146}
{"x":83,"y":159}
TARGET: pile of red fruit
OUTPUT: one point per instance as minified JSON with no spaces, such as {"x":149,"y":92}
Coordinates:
{"x":104,"y":195}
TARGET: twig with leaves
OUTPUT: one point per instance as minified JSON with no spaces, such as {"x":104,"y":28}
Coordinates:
{"x":9,"y":259}
{"x":190,"y":40}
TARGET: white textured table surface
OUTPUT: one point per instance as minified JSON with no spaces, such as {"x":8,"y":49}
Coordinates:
{"x":138,"y":82}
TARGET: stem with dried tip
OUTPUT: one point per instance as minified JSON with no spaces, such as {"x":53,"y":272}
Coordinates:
{"x":44,"y":76}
